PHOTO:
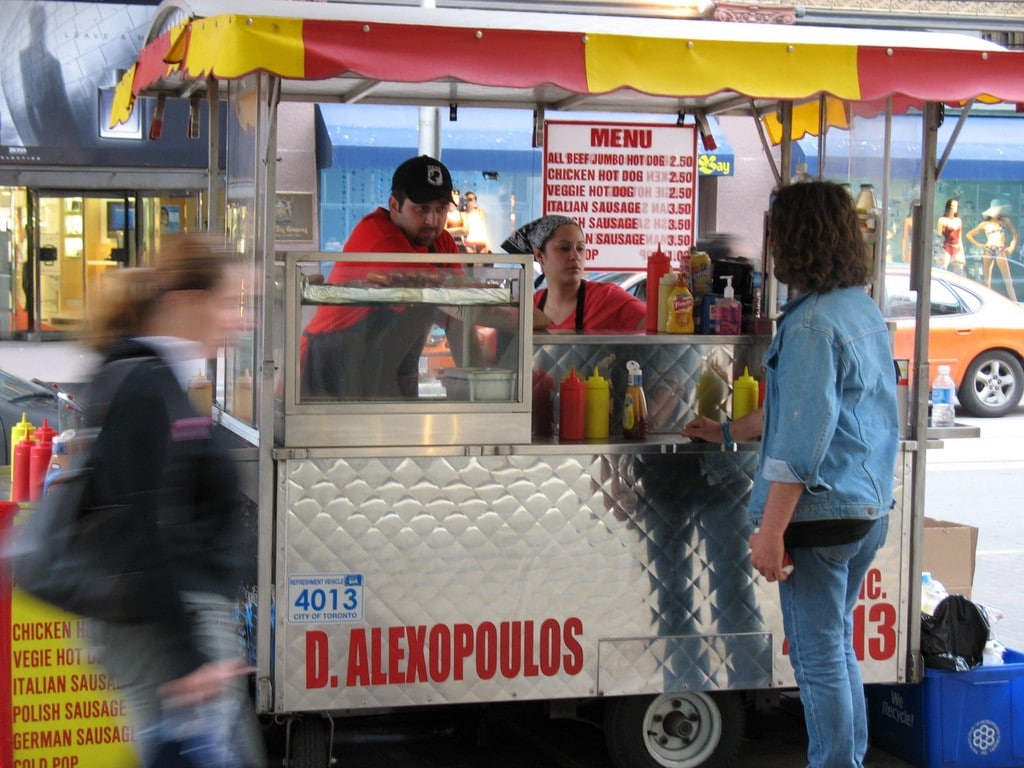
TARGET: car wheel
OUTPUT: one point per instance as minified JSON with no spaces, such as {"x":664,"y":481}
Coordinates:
{"x":992,"y":385}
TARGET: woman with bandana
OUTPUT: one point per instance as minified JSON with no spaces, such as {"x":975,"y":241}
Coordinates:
{"x":569,"y":302}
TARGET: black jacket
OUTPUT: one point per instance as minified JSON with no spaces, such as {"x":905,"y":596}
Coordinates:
{"x":157,"y":454}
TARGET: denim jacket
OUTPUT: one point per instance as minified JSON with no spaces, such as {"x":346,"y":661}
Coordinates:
{"x":830,"y":418}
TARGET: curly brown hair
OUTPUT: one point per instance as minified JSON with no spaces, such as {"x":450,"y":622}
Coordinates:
{"x":815,"y":239}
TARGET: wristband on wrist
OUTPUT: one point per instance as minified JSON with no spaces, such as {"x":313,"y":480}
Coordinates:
{"x":727,"y":440}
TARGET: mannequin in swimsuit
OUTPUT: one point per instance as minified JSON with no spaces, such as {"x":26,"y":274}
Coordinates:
{"x":996,"y":227}
{"x":950,"y":227}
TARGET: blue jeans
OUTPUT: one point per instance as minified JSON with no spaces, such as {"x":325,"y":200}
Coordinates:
{"x":135,"y":655}
{"x":817,"y":612}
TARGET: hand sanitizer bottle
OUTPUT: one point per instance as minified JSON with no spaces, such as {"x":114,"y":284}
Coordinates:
{"x":728,"y":312}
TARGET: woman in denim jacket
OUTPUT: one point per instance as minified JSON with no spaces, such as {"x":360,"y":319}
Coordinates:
{"x":830,"y":433}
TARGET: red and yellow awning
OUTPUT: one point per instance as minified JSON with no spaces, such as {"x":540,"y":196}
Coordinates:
{"x":231,"y":46}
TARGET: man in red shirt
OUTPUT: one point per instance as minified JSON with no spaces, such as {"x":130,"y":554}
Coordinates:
{"x":372,"y":352}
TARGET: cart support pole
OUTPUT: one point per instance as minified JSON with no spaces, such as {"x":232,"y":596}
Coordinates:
{"x":920,"y":279}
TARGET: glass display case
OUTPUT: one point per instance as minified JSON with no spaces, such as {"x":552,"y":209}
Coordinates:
{"x":417,"y":350}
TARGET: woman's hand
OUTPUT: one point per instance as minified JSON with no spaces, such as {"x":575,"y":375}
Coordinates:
{"x":209,"y":681}
{"x":767,"y":554}
{"x":703,"y":428}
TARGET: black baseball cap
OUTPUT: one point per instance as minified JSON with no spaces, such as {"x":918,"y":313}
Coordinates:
{"x":423,"y":180}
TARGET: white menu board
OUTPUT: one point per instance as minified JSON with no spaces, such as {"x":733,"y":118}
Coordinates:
{"x":630,"y":186}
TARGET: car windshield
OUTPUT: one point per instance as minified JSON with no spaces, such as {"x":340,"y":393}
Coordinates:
{"x":901,"y":300}
{"x":14,"y":388}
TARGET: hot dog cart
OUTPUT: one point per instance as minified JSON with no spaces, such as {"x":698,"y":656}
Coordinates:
{"x":433,"y":549}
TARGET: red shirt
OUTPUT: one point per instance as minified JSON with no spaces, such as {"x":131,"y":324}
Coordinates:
{"x":606,"y":307}
{"x":375,"y":233}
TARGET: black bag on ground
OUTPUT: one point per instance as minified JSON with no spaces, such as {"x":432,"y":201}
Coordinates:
{"x":954,"y":637}
{"x":78,"y":556}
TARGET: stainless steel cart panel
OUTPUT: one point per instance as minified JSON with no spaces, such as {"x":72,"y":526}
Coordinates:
{"x":560,"y":572}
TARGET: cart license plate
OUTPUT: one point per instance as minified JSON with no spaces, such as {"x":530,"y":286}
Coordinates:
{"x":325,"y":598}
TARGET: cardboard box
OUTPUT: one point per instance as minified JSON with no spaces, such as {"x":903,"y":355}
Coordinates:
{"x":949,"y":553}
{"x":972,"y":719}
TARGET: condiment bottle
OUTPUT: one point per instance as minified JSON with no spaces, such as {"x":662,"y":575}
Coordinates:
{"x":242,"y":402}
{"x":680,"y":306}
{"x":200,"y":393}
{"x":20,"y":467}
{"x":543,"y":403}
{"x":45,"y":433}
{"x":597,"y":396}
{"x":571,"y":407}
{"x":19,"y":432}
{"x":665,"y":285}
{"x":634,"y":407}
{"x":744,"y":394}
{"x":710,"y":393}
{"x":657,"y":265}
{"x":728,"y":311}
{"x":39,"y":461}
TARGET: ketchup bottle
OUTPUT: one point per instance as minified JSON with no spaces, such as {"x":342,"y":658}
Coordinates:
{"x":20,"y":470}
{"x":543,"y":403}
{"x":38,"y":466}
{"x":571,"y":408}
{"x":658,"y":264}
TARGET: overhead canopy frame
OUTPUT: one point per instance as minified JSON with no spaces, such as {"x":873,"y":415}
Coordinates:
{"x":333,"y":52}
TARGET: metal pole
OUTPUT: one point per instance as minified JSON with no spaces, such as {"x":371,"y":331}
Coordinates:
{"x":920,"y":280}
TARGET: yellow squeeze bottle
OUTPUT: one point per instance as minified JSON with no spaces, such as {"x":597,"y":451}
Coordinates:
{"x":595,"y":412}
{"x":680,"y":306}
{"x":744,"y":394}
{"x":23,"y":430}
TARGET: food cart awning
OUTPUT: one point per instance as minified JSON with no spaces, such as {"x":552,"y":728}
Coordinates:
{"x":418,"y":56}
{"x":371,"y":136}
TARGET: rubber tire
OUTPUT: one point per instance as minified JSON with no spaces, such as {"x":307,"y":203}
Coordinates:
{"x":993,"y":363}
{"x":717,"y":720}
{"x":309,"y":743}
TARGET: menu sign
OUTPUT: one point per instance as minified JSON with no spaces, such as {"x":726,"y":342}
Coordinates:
{"x":631,"y":187}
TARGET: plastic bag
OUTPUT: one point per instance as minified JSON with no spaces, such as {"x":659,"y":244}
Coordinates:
{"x":954,"y":637}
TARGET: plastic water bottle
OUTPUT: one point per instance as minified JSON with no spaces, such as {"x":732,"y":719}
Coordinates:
{"x":932,"y":593}
{"x":943,"y":399}
{"x":802,"y":175}
{"x":992,"y":656}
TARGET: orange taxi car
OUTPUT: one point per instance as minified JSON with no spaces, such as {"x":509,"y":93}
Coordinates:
{"x":977,"y":332}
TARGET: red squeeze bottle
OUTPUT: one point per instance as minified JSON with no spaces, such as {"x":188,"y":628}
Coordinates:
{"x":543,"y":403}
{"x":39,"y":460}
{"x":572,"y":396}
{"x":45,"y":433}
{"x":658,"y":264}
{"x":38,"y":466}
{"x":19,"y":478}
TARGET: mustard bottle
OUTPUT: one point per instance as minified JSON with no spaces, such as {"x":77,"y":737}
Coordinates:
{"x":596,"y":408}
{"x":710,"y":393}
{"x":242,"y":401}
{"x":680,"y":306}
{"x":744,"y":394}
{"x":200,"y":393}
{"x":23,"y":430}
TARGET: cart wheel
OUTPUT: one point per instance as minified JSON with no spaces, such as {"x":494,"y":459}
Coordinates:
{"x":309,"y":743}
{"x":674,"y":730}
